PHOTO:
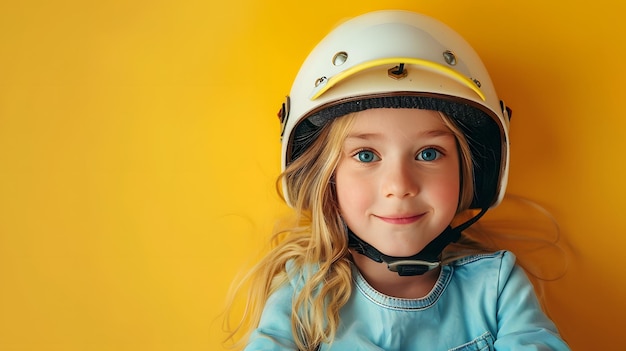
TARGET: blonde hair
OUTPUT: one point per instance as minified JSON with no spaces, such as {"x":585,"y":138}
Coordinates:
{"x":317,"y":247}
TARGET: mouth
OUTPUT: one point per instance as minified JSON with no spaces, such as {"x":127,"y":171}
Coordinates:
{"x":400,"y":219}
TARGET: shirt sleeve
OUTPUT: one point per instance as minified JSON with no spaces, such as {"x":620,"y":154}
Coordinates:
{"x":274,"y":330}
{"x":522,"y":325}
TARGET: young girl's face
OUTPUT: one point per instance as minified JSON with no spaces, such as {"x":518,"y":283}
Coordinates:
{"x":398,"y":179}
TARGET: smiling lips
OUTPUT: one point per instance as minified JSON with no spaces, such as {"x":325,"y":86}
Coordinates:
{"x":401,"y":219}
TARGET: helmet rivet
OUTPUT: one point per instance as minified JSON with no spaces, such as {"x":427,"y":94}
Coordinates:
{"x":340,"y":58}
{"x":319,"y":81}
{"x":477,"y":82}
{"x":397,"y":72}
{"x":449,"y":57}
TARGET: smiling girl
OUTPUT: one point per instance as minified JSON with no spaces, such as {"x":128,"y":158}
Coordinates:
{"x":394,"y":142}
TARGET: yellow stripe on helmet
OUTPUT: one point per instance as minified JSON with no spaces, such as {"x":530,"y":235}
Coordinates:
{"x":329,"y":83}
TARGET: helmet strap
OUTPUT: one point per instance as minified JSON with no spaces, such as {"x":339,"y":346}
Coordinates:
{"x":426,"y":260}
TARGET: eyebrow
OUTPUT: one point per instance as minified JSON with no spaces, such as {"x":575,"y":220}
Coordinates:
{"x":427,"y":133}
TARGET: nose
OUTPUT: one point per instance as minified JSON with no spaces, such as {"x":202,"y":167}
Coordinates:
{"x":400,"y":181}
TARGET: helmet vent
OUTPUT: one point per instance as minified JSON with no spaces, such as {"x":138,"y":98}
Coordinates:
{"x":319,"y":81}
{"x":340,"y":58}
{"x":449,"y":57}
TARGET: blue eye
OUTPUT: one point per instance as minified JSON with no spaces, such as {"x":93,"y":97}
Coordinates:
{"x":429,"y":154}
{"x":366,"y":156}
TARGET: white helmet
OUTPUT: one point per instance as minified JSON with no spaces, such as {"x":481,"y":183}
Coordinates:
{"x":401,"y":59}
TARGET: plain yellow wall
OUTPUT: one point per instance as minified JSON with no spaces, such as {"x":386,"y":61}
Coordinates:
{"x":139,"y":147}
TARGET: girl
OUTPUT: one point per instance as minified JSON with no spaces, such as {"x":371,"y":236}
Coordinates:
{"x":393,"y":143}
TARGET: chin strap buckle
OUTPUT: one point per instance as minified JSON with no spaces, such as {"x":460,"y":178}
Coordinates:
{"x":412,"y":267}
{"x":418,"y":264}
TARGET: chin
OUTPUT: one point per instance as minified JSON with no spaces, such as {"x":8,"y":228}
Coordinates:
{"x":401,"y":252}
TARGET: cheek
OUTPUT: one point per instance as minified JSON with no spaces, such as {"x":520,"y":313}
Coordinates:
{"x":353,"y":193}
{"x":450,"y":194}
{"x":447,"y":192}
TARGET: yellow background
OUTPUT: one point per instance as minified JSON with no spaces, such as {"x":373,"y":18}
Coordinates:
{"x":139,"y":147}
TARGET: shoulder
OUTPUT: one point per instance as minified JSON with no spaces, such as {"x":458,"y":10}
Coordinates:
{"x":497,"y":258}
{"x":274,"y":329}
{"x":298,"y":274}
{"x":493,"y":269}
{"x":508,"y":300}
{"x":502,"y":261}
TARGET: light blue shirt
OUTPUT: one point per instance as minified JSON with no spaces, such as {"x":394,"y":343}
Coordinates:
{"x":481,"y":302}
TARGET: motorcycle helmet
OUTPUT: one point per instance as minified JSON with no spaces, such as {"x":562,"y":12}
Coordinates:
{"x":401,"y":59}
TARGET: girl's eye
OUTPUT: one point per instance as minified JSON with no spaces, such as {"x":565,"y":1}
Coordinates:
{"x":429,"y":154}
{"x":366,"y":156}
